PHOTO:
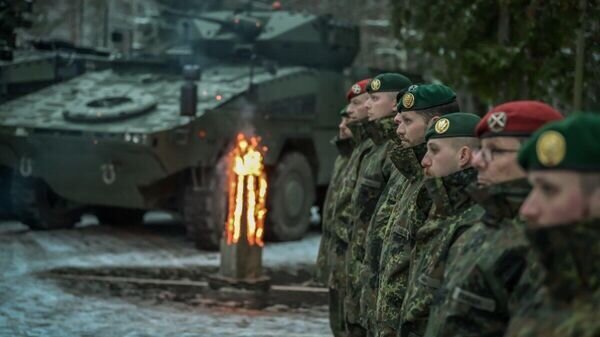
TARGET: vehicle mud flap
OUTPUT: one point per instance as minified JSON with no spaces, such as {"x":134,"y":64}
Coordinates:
{"x":291,"y":195}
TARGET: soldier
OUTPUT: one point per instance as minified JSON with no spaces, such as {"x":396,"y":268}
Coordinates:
{"x":419,"y":106}
{"x":489,"y":259}
{"x":374,"y":173}
{"x":369,"y":268}
{"x":562,"y":213}
{"x":343,"y":142}
{"x":340,"y":223}
{"x":450,"y":144}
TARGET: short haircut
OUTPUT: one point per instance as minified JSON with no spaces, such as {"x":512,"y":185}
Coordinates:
{"x":590,"y":182}
{"x":470,"y":142}
{"x":439,"y":110}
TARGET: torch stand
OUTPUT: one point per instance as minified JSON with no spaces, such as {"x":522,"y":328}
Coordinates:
{"x":241,"y":246}
{"x":241,"y":267}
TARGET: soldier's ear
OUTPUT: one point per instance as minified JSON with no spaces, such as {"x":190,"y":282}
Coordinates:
{"x":464,"y":156}
{"x":432,"y":121}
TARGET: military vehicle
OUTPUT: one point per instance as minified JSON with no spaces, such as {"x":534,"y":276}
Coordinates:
{"x":35,"y":65}
{"x":140,"y":136}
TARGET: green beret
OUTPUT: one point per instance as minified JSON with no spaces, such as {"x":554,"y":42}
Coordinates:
{"x":388,"y":82}
{"x":344,"y":112}
{"x":568,"y":144}
{"x":457,"y":124}
{"x":425,"y":96}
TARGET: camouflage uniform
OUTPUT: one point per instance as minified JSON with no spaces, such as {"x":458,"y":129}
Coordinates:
{"x":409,"y":213}
{"x":454,"y":211}
{"x":374,"y":174}
{"x":344,"y":147}
{"x":569,"y":305}
{"x":369,"y":269}
{"x":341,"y":227}
{"x":484,"y":267}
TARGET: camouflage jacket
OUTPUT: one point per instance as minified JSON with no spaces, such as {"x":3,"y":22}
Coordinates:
{"x":374,"y":174}
{"x":453,"y":212}
{"x":408,"y":214}
{"x":341,"y":230}
{"x":484,"y":267}
{"x":344,"y":147}
{"x":569,"y":304}
{"x":369,"y":269}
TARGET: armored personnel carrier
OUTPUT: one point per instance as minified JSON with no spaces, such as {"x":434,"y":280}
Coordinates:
{"x":33,"y":66}
{"x":142,"y":136}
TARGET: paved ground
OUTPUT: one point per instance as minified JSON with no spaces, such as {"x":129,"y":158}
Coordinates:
{"x":33,"y":304}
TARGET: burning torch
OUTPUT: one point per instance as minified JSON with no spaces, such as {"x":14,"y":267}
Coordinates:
{"x":241,"y":246}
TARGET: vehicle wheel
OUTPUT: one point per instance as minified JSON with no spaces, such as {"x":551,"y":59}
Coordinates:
{"x":5,"y":197}
{"x":204,"y":210}
{"x":291,"y":195}
{"x":38,"y":207}
{"x":117,"y":216}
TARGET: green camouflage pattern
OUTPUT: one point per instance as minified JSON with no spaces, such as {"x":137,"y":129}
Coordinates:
{"x":484,"y":267}
{"x":342,"y":207}
{"x":374,"y":174}
{"x":454,"y":211}
{"x":341,"y":231}
{"x":344,"y":147}
{"x":369,"y":273}
{"x":407,"y":215}
{"x":569,"y":304}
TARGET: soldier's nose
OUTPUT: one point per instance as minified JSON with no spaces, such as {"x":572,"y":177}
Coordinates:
{"x":477,"y":160}
{"x":528,"y":211}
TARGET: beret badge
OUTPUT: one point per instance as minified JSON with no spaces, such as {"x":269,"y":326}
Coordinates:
{"x":356,"y":89}
{"x":497,"y":121}
{"x":408,"y":100}
{"x":375,"y":84}
{"x":551,"y":148}
{"x":442,"y":125}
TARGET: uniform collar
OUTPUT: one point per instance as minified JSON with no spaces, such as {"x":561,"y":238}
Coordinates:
{"x":359,"y":133}
{"x":408,"y":160}
{"x":500,"y":201}
{"x":571,"y":257}
{"x":344,"y":146}
{"x":378,"y":130}
{"x":448,"y":193}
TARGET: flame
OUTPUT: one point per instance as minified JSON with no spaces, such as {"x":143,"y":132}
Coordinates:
{"x":247,"y":195}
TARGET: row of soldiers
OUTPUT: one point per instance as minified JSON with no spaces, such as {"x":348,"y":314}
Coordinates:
{"x":441,"y":223}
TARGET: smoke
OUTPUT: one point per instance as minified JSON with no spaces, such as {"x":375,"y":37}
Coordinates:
{"x":247,"y":113}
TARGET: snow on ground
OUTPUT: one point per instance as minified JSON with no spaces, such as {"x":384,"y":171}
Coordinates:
{"x":32,"y":306}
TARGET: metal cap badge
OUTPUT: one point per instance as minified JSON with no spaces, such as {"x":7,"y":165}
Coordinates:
{"x":497,"y":121}
{"x":408,"y":100}
{"x":375,"y":84}
{"x":551,"y":148}
{"x":442,"y":125}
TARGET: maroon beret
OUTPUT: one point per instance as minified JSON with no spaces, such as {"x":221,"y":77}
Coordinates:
{"x":516,"y":119}
{"x":358,"y":88}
